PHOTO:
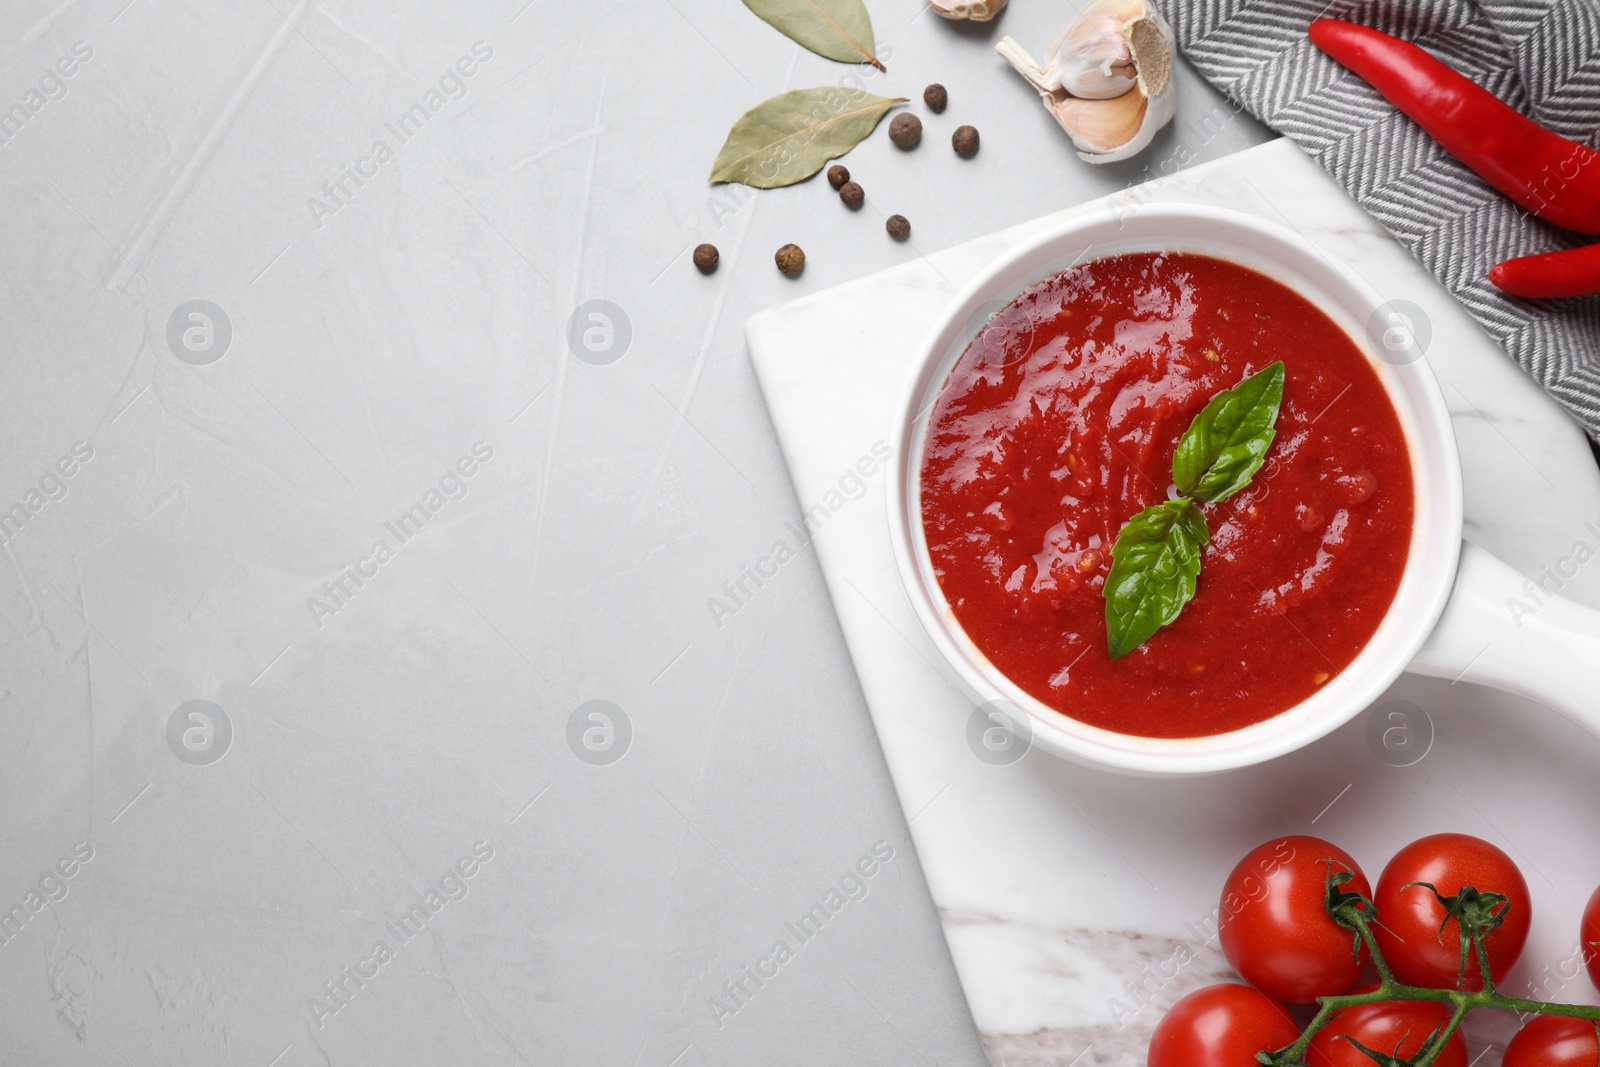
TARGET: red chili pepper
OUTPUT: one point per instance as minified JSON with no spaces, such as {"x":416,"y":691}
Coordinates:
{"x":1575,"y":272}
{"x":1554,"y":178}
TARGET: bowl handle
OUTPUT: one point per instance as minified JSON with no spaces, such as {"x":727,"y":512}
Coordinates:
{"x":1507,"y":632}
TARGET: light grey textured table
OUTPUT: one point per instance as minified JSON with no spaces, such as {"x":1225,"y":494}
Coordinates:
{"x":407,"y":753}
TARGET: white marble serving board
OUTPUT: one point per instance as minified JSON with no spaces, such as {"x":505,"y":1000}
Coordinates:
{"x":1059,"y":888}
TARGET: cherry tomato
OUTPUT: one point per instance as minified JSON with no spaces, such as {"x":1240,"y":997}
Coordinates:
{"x":1275,"y":929}
{"x":1220,"y":1026}
{"x":1409,"y":919}
{"x":1589,"y":937}
{"x":1397,"y":1024}
{"x":1554,"y":1041}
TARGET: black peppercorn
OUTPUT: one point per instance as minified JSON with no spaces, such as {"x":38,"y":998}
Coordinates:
{"x":906,"y":130}
{"x":705,"y":257}
{"x":899,"y":228}
{"x":837,"y":176}
{"x":936,"y":98}
{"x":965,"y":141}
{"x":790,"y":260}
{"x":852,"y":195}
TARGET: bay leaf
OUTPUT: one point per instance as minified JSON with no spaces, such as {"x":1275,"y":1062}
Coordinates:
{"x":837,"y":29}
{"x":788,"y":138}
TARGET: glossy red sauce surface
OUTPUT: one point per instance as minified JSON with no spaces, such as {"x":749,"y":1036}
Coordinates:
{"x":1058,"y":424}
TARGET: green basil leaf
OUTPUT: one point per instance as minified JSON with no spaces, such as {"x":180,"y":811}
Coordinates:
{"x":788,"y":138}
{"x":1154,"y":565}
{"x":1227,"y":442}
{"x":837,"y":29}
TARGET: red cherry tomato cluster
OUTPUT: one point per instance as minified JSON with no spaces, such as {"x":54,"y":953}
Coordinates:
{"x":1277,"y":933}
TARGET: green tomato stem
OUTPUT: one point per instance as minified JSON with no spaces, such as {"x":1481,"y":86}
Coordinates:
{"x":1435,"y":1047}
{"x":1483,"y":963}
{"x":1385,"y":976}
{"x":1544,"y":1007}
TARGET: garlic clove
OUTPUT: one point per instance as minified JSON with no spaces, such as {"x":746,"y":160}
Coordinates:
{"x":1108,"y":79}
{"x":973,"y":10}
{"x":1092,"y":58}
{"x":1100,"y":126}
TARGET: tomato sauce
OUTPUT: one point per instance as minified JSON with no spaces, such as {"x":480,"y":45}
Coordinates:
{"x":1058,"y":424}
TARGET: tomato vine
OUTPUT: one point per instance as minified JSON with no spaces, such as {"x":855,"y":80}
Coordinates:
{"x":1476,"y":914}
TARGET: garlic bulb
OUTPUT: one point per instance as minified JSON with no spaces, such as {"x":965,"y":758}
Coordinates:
{"x":1107,"y":79}
{"x":976,"y":10}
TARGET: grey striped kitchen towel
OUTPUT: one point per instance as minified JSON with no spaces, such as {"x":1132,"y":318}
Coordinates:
{"x":1541,"y":56}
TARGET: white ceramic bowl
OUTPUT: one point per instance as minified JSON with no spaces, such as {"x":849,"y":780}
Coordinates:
{"x":1435,"y":550}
